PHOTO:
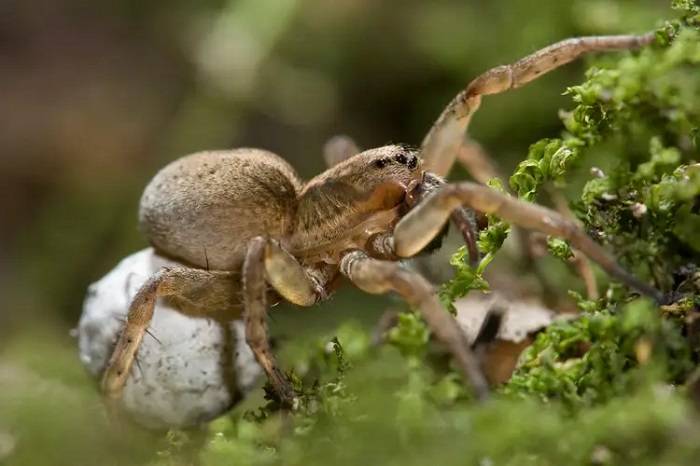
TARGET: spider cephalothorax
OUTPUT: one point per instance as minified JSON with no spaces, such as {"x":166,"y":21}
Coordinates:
{"x":358,"y":197}
{"x":247,"y":226}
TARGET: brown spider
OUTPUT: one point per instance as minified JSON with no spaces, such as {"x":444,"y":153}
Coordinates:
{"x":243,"y":220}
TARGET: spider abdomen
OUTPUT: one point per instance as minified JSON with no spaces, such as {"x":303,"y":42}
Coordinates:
{"x":205,"y":207}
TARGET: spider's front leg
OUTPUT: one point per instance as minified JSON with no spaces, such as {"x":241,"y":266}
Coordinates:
{"x":443,"y":142}
{"x":378,"y":277}
{"x":420,"y":225}
{"x":266,"y":262}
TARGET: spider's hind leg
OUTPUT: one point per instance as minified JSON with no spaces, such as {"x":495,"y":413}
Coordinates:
{"x":196,"y":289}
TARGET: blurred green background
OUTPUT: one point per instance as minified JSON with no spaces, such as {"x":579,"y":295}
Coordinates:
{"x":97,"y":96}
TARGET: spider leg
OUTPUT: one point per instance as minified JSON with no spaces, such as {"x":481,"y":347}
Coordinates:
{"x":463,"y":219}
{"x":480,"y":165}
{"x":339,"y":148}
{"x":378,"y":277}
{"x":442,"y":143}
{"x":266,"y":262}
{"x":477,"y":161}
{"x":182,"y":282}
{"x":417,"y":228}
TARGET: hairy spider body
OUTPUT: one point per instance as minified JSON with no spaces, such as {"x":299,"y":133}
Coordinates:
{"x":204,"y":208}
{"x":341,"y":208}
{"x":247,"y":226}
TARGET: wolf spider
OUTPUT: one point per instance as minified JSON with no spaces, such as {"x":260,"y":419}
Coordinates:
{"x":250,"y":230}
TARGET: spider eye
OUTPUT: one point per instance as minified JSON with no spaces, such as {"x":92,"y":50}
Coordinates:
{"x":413,"y":162}
{"x":401,"y":158}
{"x":381,"y":163}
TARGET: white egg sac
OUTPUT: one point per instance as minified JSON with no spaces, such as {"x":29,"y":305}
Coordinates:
{"x":189,"y":370}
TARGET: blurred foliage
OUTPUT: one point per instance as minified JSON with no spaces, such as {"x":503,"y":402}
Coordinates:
{"x":136,"y":84}
{"x":428,"y":417}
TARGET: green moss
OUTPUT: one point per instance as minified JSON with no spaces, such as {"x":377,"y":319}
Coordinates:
{"x":602,"y":355}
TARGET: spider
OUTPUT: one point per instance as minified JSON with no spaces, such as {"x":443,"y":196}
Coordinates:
{"x":248,"y":230}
